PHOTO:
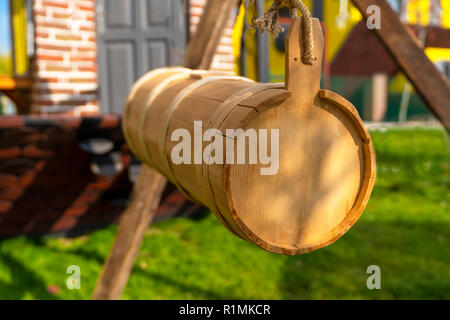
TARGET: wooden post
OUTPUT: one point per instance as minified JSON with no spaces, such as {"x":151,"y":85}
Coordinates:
{"x":202,"y":47}
{"x":379,"y":103}
{"x":135,"y":221}
{"x":431,"y":85}
{"x":149,"y":186}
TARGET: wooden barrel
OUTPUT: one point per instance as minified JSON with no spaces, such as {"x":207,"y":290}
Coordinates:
{"x":322,"y":164}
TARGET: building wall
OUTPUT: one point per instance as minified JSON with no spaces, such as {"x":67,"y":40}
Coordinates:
{"x":65,"y":68}
{"x":64,"y":71}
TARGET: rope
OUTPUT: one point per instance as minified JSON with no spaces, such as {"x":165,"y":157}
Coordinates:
{"x":269,"y":21}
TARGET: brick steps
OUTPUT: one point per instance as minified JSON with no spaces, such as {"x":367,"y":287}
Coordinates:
{"x":46,"y":182}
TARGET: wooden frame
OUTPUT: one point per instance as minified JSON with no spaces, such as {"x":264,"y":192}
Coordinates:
{"x":431,"y":85}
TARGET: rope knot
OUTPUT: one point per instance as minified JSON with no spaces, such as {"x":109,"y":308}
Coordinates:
{"x":269,"y":21}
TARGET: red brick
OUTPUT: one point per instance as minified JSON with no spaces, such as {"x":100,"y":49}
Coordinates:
{"x":86,"y":8}
{"x":24,"y":136}
{"x":68,"y":37}
{"x":27,"y":179}
{"x":59,"y":15}
{"x":82,"y":58}
{"x":43,"y":57}
{"x":88,"y":197}
{"x":63,"y":5}
{"x":5,"y":206}
{"x":11,"y":194}
{"x":64,"y":223}
{"x":56,"y":68}
{"x":99,"y":185}
{"x":76,"y":211}
{"x":40,"y":165}
{"x":9,"y":181}
{"x":52,"y":25}
{"x":34,"y":152}
{"x":85,"y":28}
{"x":54,"y":47}
{"x":83,"y":80}
{"x":9,"y":153}
{"x":40,"y":12}
{"x":11,"y":122}
{"x":87,"y":69}
{"x":41,"y":34}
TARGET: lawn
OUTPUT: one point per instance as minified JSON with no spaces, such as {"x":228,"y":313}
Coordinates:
{"x":405,"y":230}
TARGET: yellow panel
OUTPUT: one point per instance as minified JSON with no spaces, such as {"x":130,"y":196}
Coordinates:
{"x":19,"y":19}
{"x":438,"y":54}
{"x":237,"y":36}
{"x":445,"y":4}
{"x":336,"y":35}
{"x":419,"y":12}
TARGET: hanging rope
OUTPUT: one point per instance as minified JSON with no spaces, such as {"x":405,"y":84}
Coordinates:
{"x":269,"y":22}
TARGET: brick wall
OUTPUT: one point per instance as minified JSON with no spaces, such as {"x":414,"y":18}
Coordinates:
{"x":65,"y":68}
{"x":224,"y":58}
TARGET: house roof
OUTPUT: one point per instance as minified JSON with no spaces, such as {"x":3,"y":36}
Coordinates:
{"x":363,"y":54}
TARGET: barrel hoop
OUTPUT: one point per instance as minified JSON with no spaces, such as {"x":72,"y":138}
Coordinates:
{"x":165,"y":161}
{"x":360,"y":201}
{"x":156,"y":91}
{"x":216,"y":121}
{"x":148,"y":76}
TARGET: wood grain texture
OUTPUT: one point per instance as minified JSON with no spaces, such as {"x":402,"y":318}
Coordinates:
{"x":431,"y":85}
{"x":326,"y":158}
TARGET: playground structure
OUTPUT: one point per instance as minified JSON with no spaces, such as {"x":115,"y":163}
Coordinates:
{"x":150,"y":185}
{"x":119,"y":263}
{"x":377,"y":88}
{"x":323,"y":145}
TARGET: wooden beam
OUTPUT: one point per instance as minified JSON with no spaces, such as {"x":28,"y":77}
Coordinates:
{"x":203,"y":45}
{"x":431,"y":85}
{"x":14,"y":83}
{"x":379,"y":103}
{"x":149,"y":186}
{"x":135,"y":220}
{"x":437,"y":37}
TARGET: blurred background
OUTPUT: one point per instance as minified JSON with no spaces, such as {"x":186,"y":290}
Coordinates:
{"x":66,"y":67}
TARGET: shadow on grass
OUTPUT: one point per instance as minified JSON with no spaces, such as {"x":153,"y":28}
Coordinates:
{"x":24,"y":281}
{"x":414,"y":259}
{"x":160,"y":279}
{"x":195,"y":291}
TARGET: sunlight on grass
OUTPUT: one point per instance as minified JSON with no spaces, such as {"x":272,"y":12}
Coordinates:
{"x":405,"y":230}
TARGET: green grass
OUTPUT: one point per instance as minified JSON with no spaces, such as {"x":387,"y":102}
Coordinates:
{"x":405,"y":230}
